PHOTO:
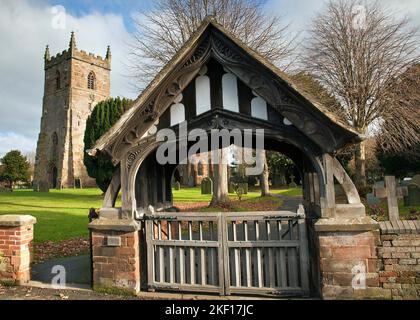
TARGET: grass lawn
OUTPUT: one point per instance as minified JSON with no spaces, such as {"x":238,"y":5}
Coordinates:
{"x":194,"y":194}
{"x":61,"y":214}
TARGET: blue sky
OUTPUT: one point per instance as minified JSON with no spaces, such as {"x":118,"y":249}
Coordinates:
{"x":125,"y":8}
{"x":26,"y":27}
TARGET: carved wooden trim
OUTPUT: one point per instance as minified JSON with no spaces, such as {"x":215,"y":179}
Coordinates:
{"x":247,"y":70}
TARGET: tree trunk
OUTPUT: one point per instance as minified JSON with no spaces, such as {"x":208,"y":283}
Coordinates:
{"x":265,"y":186}
{"x":360,"y":162}
{"x":220,"y":184}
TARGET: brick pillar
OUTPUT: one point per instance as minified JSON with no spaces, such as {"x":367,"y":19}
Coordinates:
{"x":348,"y":247}
{"x":16,"y":235}
{"x":116,"y":255}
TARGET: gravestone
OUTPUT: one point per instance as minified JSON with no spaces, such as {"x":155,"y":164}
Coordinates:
{"x":207,"y":186}
{"x":231,"y":187}
{"x":402,"y":192}
{"x":379,"y":192}
{"x":389,"y":192}
{"x":177,"y":186}
{"x":413,"y":197}
{"x":372,"y":200}
{"x":416,"y":180}
{"x":244,"y":187}
{"x":293,"y":184}
{"x":191,"y":182}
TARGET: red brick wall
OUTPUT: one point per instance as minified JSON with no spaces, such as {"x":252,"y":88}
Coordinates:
{"x":16,"y":253}
{"x":116,"y":266}
{"x":400,"y":254}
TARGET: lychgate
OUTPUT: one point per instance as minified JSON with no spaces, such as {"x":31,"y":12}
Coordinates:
{"x":216,"y":82}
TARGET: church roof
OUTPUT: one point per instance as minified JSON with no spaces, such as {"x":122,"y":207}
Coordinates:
{"x":187,"y":49}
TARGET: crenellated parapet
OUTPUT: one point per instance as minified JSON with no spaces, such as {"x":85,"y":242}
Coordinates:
{"x":73,"y":53}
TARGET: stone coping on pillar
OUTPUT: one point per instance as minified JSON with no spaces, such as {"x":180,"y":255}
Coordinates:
{"x":12,"y":221}
{"x":338,"y":224}
{"x":121,"y":225}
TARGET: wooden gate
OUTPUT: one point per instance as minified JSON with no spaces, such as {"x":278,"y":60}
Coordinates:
{"x":228,"y":253}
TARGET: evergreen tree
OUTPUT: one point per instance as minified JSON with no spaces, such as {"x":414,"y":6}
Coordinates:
{"x":15,"y":167}
{"x":103,"y":117}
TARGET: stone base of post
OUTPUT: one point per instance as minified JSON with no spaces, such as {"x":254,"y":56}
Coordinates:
{"x":116,"y":255}
{"x":349,"y":260}
{"x":16,"y":236}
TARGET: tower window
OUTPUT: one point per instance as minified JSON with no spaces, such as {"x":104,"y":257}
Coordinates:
{"x":91,"y":81}
{"x":58,"y":80}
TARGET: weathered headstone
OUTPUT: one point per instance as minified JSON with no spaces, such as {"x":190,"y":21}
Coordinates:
{"x":372,"y":200}
{"x":402,"y":192}
{"x":389,"y":192}
{"x":293,"y":184}
{"x":416,"y":180}
{"x":206,"y":186}
{"x":379,"y":192}
{"x":191,"y":182}
{"x":231,"y":187}
{"x":177,"y":186}
{"x":244,"y":186}
{"x":413,"y":196}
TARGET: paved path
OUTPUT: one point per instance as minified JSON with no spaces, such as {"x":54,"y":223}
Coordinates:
{"x":290,"y":203}
{"x":78,"y":270}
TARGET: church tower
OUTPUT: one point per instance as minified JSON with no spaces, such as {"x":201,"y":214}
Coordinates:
{"x":75,"y":81}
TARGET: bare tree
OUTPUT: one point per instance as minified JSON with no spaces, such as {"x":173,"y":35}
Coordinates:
{"x":356,"y":52}
{"x":162,"y":31}
{"x":400,"y":128}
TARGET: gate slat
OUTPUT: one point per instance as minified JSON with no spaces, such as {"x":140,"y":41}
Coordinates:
{"x":192,"y":255}
{"x":237,"y":257}
{"x":304,"y":257}
{"x":283,"y":268}
{"x":161,"y":255}
{"x":202,"y":257}
{"x":171,"y":255}
{"x":247,"y":257}
{"x":181,"y":256}
{"x":271,"y":262}
{"x":260,"y":278}
{"x":212,"y":269}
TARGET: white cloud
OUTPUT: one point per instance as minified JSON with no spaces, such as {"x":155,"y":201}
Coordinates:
{"x":25,"y":30}
{"x":12,"y":141}
{"x":299,"y":13}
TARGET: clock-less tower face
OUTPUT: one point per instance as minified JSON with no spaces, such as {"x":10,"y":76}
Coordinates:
{"x":75,"y":81}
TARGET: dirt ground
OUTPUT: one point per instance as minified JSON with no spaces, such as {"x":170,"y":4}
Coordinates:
{"x":32,"y":293}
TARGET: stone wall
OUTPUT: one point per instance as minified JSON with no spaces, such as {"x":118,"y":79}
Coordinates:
{"x":400,"y":256}
{"x":116,"y":255}
{"x":16,"y":235}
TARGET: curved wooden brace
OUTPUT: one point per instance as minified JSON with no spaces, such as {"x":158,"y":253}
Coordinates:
{"x":114,"y":188}
{"x":346,"y":183}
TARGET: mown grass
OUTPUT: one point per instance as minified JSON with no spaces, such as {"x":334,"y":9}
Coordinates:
{"x":63,"y":214}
